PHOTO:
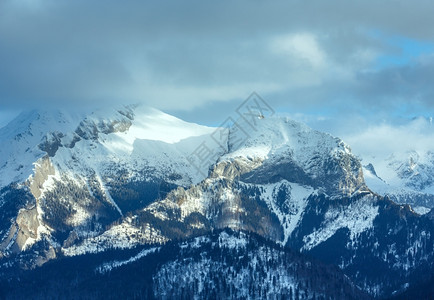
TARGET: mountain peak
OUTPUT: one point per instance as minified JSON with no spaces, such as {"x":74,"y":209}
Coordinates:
{"x":293,"y":151}
{"x":36,"y":133}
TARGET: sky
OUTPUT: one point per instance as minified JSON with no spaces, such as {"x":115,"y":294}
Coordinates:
{"x":345,"y":67}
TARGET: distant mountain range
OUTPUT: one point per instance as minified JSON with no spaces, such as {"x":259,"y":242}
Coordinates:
{"x":406,"y":178}
{"x":264,"y":207}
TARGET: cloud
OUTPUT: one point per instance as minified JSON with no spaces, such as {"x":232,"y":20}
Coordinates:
{"x":385,"y":139}
{"x":306,"y":57}
{"x":300,"y":46}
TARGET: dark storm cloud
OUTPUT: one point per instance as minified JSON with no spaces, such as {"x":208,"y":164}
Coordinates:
{"x":184,"y":55}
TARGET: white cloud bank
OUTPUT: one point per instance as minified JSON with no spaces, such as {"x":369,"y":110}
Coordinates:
{"x":381,"y":141}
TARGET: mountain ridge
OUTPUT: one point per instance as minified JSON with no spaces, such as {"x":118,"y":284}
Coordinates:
{"x":127,"y":177}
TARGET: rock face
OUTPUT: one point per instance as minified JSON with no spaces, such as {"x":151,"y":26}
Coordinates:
{"x":127,"y":177}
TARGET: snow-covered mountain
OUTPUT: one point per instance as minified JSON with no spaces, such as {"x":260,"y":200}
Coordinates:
{"x":78,"y":184}
{"x":84,"y":171}
{"x":119,"y":135}
{"x":406,"y":177}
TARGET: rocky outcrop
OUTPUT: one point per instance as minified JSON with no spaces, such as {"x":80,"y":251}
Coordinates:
{"x":90,"y":129}
{"x":43,"y":169}
{"x":27,"y":225}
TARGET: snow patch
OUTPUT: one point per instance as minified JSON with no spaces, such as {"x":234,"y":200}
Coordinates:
{"x":119,"y":237}
{"x":295,"y":204}
{"x":421,"y":210}
{"x":196,"y":243}
{"x":107,"y":194}
{"x":357,"y":217}
{"x":230,"y":241}
{"x":106,"y":267}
